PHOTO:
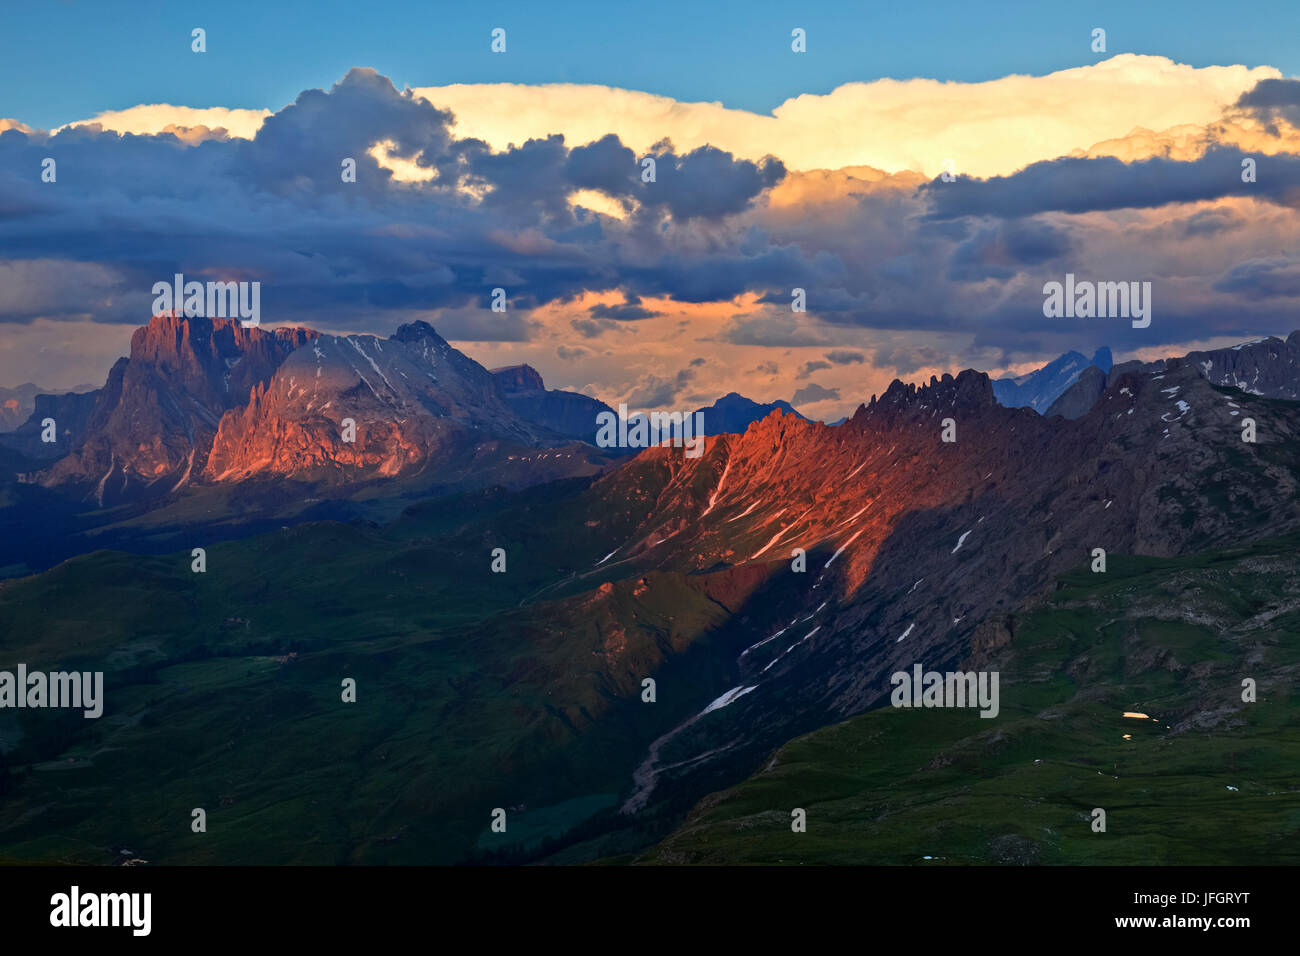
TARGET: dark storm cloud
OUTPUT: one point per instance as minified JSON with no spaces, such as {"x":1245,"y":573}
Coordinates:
{"x":1273,"y":99}
{"x":303,"y":146}
{"x":953,"y":262}
{"x":813,"y":392}
{"x":1208,"y":222}
{"x":770,"y":330}
{"x":712,"y":275}
{"x":276,"y":209}
{"x":1077,"y":185}
{"x":906,"y":359}
{"x":708,"y":183}
{"x":606,"y":165}
{"x":590,"y":329}
{"x":999,"y":252}
{"x":1263,"y":278}
{"x":656,"y":392}
{"x":846,"y":357}
{"x":630,"y":311}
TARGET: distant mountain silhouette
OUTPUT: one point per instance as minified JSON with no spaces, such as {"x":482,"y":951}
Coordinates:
{"x":570,"y":414}
{"x":733,"y":413}
{"x":1039,"y":388}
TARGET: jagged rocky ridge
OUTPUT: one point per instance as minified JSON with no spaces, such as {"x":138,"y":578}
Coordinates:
{"x":153,"y":422}
{"x":208,"y":401}
{"x":914,"y":545}
{"x":1269,"y":367}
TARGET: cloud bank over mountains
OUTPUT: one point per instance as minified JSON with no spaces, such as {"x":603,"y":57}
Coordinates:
{"x":1129,"y":169}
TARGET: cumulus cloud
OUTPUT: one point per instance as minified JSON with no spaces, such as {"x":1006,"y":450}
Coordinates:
{"x":150,"y":118}
{"x":999,"y":252}
{"x":656,"y":392}
{"x":772,"y":330}
{"x":629,"y":311}
{"x":589,"y":329}
{"x":1136,"y":175}
{"x":1209,"y":222}
{"x":276,"y":208}
{"x":907,"y":359}
{"x":812,"y":393}
{"x":986,"y":128}
{"x":808,"y":368}
{"x":1272,"y":99}
{"x":846,"y":357}
{"x":1105,"y":183}
{"x":1267,"y":278}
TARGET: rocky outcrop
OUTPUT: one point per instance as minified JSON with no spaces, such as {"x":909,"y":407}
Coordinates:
{"x":412,"y":400}
{"x":909,"y":542}
{"x":152,"y":423}
{"x":570,"y":414}
{"x":1269,"y":367}
{"x":519,"y":378}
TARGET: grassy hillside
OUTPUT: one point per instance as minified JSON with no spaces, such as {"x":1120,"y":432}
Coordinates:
{"x":475,"y":690}
{"x":1208,"y":779}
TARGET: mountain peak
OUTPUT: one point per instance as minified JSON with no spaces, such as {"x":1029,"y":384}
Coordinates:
{"x":416,"y":331}
{"x":519,"y":378}
{"x":172,"y":340}
{"x":1040,"y":388}
{"x":733,"y":413}
{"x":151,"y":425}
{"x":969,"y":390}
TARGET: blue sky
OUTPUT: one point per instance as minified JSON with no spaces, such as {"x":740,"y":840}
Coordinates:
{"x":65,"y":60}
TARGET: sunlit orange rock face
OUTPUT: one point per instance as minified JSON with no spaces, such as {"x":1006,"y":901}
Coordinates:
{"x":412,"y":399}
{"x":912,"y":542}
{"x":154,"y":420}
{"x":787,"y":483}
{"x":268,"y":437}
{"x":209,"y":401}
{"x":919,"y":550}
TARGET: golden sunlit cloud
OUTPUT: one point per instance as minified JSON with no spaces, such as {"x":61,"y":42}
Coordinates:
{"x":986,"y":129}
{"x":153,"y":118}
